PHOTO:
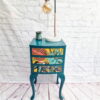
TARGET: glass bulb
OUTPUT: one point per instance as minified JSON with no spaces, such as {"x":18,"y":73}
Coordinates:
{"x":46,"y":7}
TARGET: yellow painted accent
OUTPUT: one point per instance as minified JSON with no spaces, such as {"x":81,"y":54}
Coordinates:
{"x":46,"y":61}
{"x":47,"y":70}
{"x":61,"y":50}
{"x":33,"y":61}
{"x":48,"y":51}
{"x":35,"y":70}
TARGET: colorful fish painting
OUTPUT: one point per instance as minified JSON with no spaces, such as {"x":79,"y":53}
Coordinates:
{"x":47,"y":68}
{"x":47,"y":60}
{"x":47,"y":51}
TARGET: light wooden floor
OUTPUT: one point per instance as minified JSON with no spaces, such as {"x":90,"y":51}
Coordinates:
{"x":71,"y":91}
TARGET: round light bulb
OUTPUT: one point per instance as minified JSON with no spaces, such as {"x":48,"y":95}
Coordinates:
{"x":46,"y":7}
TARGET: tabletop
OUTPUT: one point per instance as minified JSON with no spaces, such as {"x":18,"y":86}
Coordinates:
{"x":45,"y":43}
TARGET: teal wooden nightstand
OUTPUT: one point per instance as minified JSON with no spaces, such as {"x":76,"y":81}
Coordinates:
{"x":47,"y":58}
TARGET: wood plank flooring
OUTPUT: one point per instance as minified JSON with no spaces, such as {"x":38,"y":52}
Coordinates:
{"x":71,"y":91}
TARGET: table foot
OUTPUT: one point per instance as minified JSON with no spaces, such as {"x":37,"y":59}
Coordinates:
{"x":61,"y":98}
{"x":32,"y":97}
{"x":62,"y":77}
{"x":33,"y":78}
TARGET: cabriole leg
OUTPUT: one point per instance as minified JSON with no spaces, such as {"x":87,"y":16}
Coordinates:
{"x":35,"y":80}
{"x":32,"y":80}
{"x":57,"y":82}
{"x":62,"y":77}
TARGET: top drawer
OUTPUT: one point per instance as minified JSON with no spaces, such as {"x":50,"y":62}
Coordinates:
{"x":47,"y":51}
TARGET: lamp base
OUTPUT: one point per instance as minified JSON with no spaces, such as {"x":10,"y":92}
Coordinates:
{"x":53,"y":39}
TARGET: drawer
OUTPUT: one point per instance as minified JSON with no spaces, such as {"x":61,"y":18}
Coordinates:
{"x":47,"y":51}
{"x":47,"y":60}
{"x":47,"y":69}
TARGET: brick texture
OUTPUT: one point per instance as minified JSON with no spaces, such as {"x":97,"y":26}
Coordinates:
{"x":78,"y":23}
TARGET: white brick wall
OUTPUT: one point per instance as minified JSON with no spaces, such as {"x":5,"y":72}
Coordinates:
{"x":78,"y":22}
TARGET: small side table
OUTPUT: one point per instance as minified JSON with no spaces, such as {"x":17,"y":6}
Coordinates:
{"x":47,"y":58}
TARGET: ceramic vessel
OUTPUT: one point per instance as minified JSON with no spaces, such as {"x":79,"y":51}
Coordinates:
{"x":38,"y":35}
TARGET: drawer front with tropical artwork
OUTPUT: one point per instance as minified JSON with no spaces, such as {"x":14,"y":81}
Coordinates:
{"x":49,"y":69}
{"x":47,"y":51}
{"x":47,"y":60}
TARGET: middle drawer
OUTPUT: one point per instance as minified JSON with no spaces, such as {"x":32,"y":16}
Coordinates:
{"x":47,"y":60}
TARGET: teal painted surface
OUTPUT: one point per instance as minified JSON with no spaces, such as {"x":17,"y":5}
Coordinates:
{"x":50,"y":60}
{"x":47,"y":51}
{"x":47,"y":58}
{"x":43,"y":42}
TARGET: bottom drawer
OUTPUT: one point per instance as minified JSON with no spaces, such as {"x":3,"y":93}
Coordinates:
{"x":47,"y":68}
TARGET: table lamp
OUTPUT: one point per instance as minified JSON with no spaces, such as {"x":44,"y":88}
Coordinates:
{"x":47,"y":8}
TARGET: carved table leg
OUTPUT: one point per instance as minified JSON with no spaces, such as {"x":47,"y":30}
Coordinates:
{"x":62,"y":77}
{"x":57,"y":82}
{"x":35,"y":80}
{"x":32,"y":80}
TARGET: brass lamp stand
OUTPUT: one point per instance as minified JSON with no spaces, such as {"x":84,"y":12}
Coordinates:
{"x":47,"y":10}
